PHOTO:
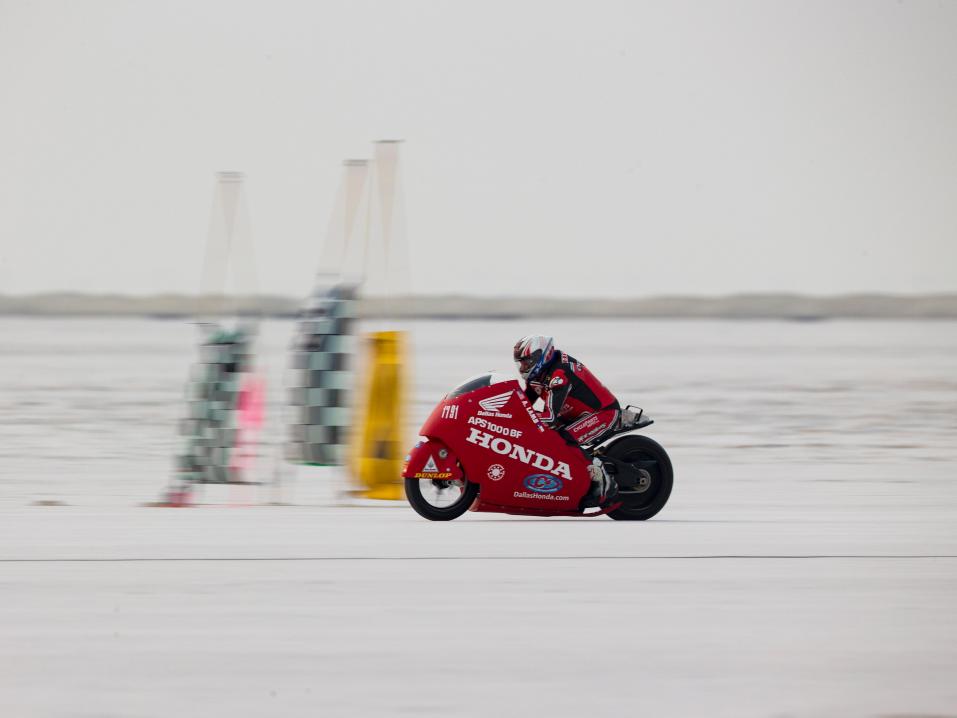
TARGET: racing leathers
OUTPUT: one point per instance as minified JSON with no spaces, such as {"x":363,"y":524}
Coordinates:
{"x":577,"y":404}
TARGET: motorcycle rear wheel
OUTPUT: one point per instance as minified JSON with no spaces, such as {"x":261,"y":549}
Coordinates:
{"x":413,"y":492}
{"x":642,"y":506}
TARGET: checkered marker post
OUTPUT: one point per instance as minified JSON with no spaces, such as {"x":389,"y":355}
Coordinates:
{"x":209,"y":429}
{"x":321,"y":378}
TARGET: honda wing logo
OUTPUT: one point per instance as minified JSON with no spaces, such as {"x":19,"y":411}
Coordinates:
{"x":492,"y":405}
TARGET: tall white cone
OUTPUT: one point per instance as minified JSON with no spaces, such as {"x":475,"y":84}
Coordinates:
{"x":387,"y":261}
{"x":229,"y":267}
{"x":345,"y":237}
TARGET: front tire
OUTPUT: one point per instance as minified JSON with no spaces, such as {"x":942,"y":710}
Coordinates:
{"x":428,"y":509}
{"x":654,"y":459}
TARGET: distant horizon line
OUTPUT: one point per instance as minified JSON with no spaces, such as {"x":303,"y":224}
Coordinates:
{"x":776,"y":305}
{"x":495,"y":297}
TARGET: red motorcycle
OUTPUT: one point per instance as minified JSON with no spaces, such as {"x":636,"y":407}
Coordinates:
{"x":486,"y":449}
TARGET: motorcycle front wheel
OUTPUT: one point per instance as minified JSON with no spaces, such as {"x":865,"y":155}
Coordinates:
{"x":439,"y":500}
{"x":650,"y":458}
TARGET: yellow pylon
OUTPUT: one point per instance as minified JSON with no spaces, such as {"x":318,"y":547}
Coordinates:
{"x":378,"y":445}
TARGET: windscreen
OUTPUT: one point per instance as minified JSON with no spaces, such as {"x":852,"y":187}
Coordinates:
{"x":477,"y":382}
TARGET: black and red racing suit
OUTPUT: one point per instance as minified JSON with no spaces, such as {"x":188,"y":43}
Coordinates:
{"x":576,"y":403}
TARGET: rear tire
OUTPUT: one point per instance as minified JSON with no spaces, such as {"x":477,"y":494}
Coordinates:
{"x":639,"y":507}
{"x":413,"y":492}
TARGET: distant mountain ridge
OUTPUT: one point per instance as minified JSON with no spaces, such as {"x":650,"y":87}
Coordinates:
{"x":738,"y":306}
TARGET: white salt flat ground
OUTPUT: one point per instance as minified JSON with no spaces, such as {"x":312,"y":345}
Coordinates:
{"x":806,"y":565}
{"x":837,"y":600}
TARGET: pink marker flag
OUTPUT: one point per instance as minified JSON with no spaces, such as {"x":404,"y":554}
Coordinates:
{"x":250,"y":414}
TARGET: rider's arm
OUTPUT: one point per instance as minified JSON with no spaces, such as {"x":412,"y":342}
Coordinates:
{"x":558,"y":390}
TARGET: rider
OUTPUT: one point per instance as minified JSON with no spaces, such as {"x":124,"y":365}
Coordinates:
{"x":577,"y":405}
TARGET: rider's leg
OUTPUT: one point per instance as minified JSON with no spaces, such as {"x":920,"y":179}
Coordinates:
{"x":591,"y":427}
{"x":571,"y":441}
{"x":604,"y":485}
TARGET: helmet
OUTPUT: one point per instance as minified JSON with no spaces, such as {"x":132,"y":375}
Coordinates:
{"x":531,"y":354}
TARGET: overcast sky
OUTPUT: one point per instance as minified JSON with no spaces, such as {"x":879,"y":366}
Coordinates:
{"x":587,"y":148}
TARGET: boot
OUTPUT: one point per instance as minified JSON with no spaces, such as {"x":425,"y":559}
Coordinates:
{"x":604,"y":487}
{"x":629,"y":417}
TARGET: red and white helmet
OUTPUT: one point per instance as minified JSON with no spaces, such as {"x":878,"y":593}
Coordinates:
{"x":531,"y":354}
